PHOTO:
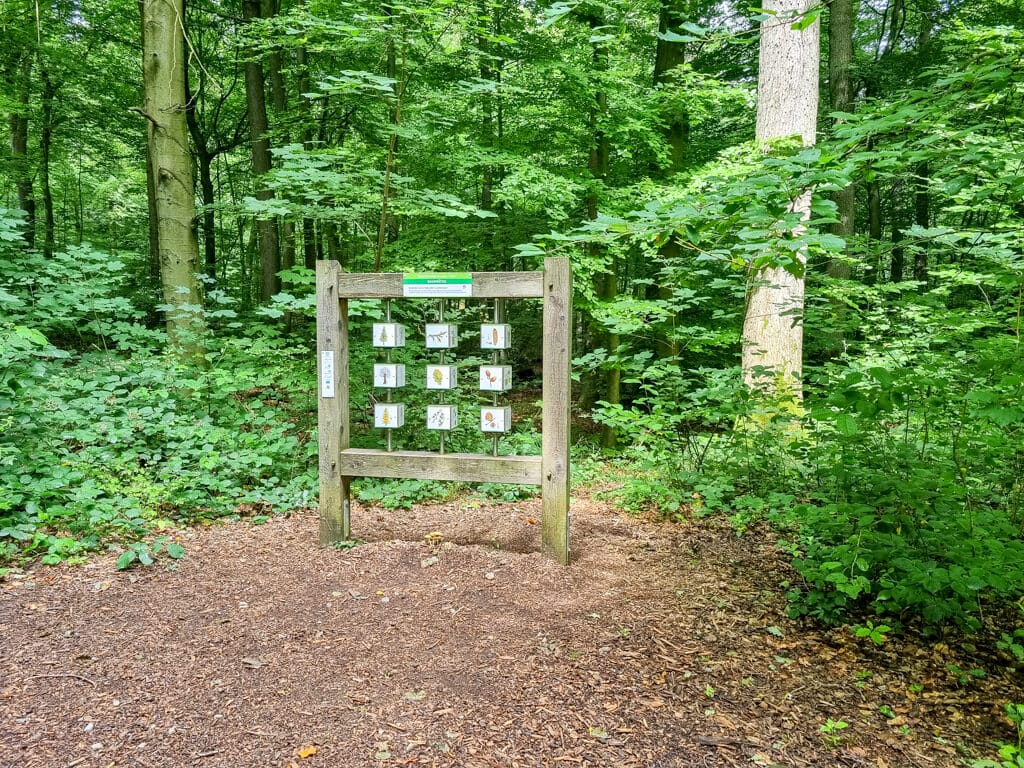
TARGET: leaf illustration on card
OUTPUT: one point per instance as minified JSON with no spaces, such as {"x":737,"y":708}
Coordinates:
{"x":385,"y":419}
{"x":438,"y":376}
{"x":494,"y":336}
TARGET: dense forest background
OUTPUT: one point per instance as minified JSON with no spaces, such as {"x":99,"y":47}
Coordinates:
{"x":443,"y":135}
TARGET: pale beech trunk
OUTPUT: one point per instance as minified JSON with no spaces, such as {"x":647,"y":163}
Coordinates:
{"x":787,"y":105}
{"x":174,"y":197}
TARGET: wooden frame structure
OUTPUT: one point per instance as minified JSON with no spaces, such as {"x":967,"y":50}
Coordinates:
{"x":339,"y":463}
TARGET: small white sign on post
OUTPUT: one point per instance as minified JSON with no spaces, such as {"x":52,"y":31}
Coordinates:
{"x":388,"y":335}
{"x":442,"y":417}
{"x":388,"y":375}
{"x":495,"y":418}
{"x":442,"y":377}
{"x":388,"y":415}
{"x":442,"y":335}
{"x":327,"y":374}
{"x":495,"y":378}
{"x":495,"y":336}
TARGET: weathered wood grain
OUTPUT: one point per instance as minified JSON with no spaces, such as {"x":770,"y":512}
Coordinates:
{"x":486,"y":285}
{"x":426,"y":465}
{"x":555,"y":438}
{"x":332,"y":412}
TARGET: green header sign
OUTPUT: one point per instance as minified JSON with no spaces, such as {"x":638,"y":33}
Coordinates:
{"x":436,"y":285}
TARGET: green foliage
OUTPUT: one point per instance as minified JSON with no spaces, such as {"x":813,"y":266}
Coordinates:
{"x":1011,"y":755}
{"x":400,"y":494}
{"x":108,"y":439}
{"x":875,"y":633}
{"x":146,"y":554}
{"x":899,"y":492}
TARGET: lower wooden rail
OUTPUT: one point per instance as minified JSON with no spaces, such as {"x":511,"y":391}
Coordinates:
{"x":429,"y":465}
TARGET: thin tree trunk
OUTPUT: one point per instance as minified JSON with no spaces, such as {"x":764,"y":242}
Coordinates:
{"x":606,"y":283}
{"x":153,"y":218}
{"x":394,"y":119}
{"x":279,"y":98}
{"x":896,"y":262}
{"x":256,"y":103}
{"x":487,"y":112}
{"x":840,"y":91}
{"x":874,"y":227}
{"x":667,"y":56}
{"x":922,"y":204}
{"x":45,"y":146}
{"x":18,"y":122}
{"x":204,"y":161}
{"x":309,"y":239}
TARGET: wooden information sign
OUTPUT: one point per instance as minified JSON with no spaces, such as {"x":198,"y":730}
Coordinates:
{"x":339,"y":463}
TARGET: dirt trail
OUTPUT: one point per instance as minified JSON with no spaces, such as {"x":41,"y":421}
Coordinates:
{"x":662,"y":645}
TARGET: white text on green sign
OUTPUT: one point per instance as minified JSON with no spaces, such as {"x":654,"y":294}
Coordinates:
{"x":428,"y":285}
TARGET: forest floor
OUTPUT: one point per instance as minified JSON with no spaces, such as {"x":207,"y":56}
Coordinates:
{"x":662,"y":645}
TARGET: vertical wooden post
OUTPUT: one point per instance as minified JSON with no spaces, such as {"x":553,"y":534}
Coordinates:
{"x":332,"y":378}
{"x":555,"y":439}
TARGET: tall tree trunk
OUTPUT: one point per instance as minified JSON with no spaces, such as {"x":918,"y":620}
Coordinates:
{"x":309,"y":239}
{"x":922,"y":175}
{"x":153,"y":217}
{"x":667,"y":56}
{"x":18,"y":122}
{"x":922,"y":205}
{"x":45,"y":146}
{"x":487,"y":111}
{"x":896,"y":263}
{"x":174,"y":196}
{"x":279,"y":98}
{"x":840,"y":92}
{"x":394,"y":119}
{"x":874,"y":226}
{"x":787,"y":104}
{"x":209,"y":223}
{"x":256,"y":105}
{"x":204,"y":160}
{"x":606,"y":283}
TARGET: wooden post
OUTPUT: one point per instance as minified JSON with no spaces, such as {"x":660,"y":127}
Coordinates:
{"x":332,"y":377}
{"x":557,"y":382}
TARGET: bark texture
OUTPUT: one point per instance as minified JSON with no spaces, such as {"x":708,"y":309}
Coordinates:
{"x":174,"y":197}
{"x":256,"y":103}
{"x":840,"y":91}
{"x":18,"y":126}
{"x":787,"y":105}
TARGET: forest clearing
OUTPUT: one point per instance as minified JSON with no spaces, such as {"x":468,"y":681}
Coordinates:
{"x":746,"y":282}
{"x":448,"y":640}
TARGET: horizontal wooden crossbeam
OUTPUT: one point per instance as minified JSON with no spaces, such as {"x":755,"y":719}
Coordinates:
{"x":428,"y":465}
{"x":486,"y":285}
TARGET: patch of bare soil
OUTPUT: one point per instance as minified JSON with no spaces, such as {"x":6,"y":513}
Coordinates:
{"x":662,"y":645}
